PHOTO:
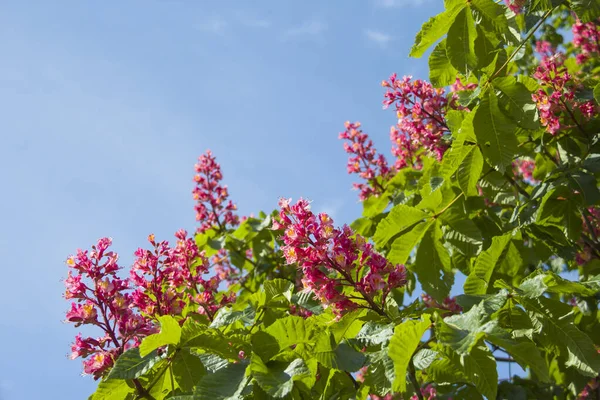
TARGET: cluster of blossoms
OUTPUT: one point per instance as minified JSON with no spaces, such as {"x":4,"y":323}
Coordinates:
{"x":333,"y":260}
{"x":448,"y":304}
{"x":590,"y":390}
{"x":101,"y":299}
{"x":557,"y":95}
{"x":586,"y":37}
{"x":365,"y":161}
{"x":168,"y":278}
{"x":212,"y":207}
{"x":421,"y":109}
{"x":523,"y":168}
{"x":591,"y":227}
{"x":515,"y":6}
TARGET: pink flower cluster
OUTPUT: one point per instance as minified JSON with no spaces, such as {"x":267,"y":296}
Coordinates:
{"x":589,"y":391}
{"x":448,"y":304}
{"x":223,"y":269}
{"x":100,"y":299}
{"x":557,"y":96}
{"x":523,"y":168}
{"x":586,"y":37}
{"x":428,"y":393}
{"x":421,"y":109}
{"x":212,"y":207}
{"x":333,"y":259}
{"x":515,"y":6}
{"x":365,"y":162}
{"x":168,"y":278}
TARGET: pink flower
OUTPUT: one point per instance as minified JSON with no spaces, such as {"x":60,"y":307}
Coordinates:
{"x":212,"y":207}
{"x":365,"y":162}
{"x":523,"y":168}
{"x":331,"y":259}
{"x":421,"y":124}
{"x":586,"y":37}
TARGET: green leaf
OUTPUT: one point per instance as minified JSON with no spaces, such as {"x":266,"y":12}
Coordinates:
{"x":114,"y":389}
{"x":277,"y":379}
{"x":225,"y":384}
{"x":478,"y":280}
{"x":460,"y":43}
{"x":554,"y":321}
{"x":586,"y":10}
{"x":524,"y":351}
{"x":131,"y":365}
{"x":492,"y":13}
{"x":400,"y":218}
{"x":495,"y":133}
{"x":187,"y":369}
{"x":560,"y":208}
{"x":227,"y":316}
{"x":170,"y":333}
{"x":424,"y":357}
{"x":433,"y":265}
{"x":278,"y":288}
{"x":373,"y":333}
{"x":469,"y":171}
{"x":597,"y":93}
{"x":441,"y":71}
{"x":375,"y":205}
{"x":515,"y":99}
{"x":436,"y":27}
{"x":342,"y":356}
{"x":404,"y":244}
{"x":403,"y":344}
{"x":480,"y":367}
{"x":291,"y":331}
{"x":538,"y":283}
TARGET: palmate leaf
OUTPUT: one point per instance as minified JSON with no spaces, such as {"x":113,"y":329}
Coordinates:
{"x":460,"y":43}
{"x":404,"y":244}
{"x":586,"y":10}
{"x":441,"y":71}
{"x":433,"y":265}
{"x":553,"y":320}
{"x":495,"y":132}
{"x":477,"y":368}
{"x":515,"y":99}
{"x":469,"y":171}
{"x":170,"y":333}
{"x":523,"y":350}
{"x":403,"y":344}
{"x":478,"y":280}
{"x":225,"y":384}
{"x":187,"y":369}
{"x":277,"y":379}
{"x":400,"y":218}
{"x":114,"y":389}
{"x":436,"y":27}
{"x":491,"y":12}
{"x":131,"y":365}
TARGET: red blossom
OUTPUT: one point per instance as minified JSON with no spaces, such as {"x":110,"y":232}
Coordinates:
{"x":586,"y":37}
{"x":213,"y":207}
{"x":101,"y":299}
{"x":421,"y":110}
{"x":331,"y":259}
{"x":365,"y":162}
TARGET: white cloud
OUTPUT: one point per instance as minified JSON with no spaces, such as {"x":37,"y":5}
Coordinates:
{"x":400,"y":3}
{"x":382,"y":39}
{"x":216,"y":25}
{"x":313,"y":28}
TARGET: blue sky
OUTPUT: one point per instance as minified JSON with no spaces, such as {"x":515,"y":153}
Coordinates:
{"x":107,"y":105}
